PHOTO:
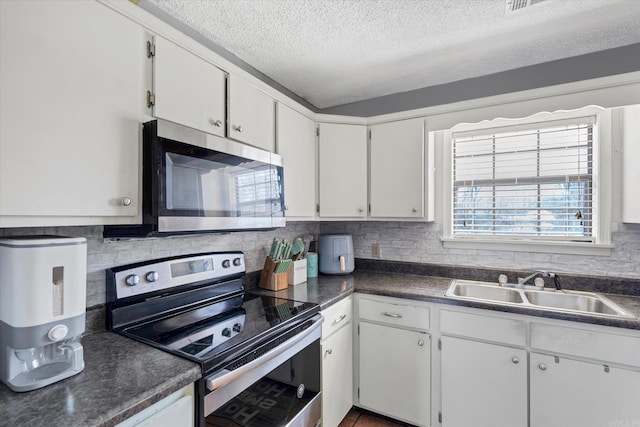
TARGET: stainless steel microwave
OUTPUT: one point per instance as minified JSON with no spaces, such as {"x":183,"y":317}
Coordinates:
{"x":194,"y":182}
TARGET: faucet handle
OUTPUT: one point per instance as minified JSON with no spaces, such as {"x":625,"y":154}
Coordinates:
{"x":502,"y":279}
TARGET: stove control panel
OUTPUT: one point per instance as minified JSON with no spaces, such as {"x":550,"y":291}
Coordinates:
{"x":164,"y":274}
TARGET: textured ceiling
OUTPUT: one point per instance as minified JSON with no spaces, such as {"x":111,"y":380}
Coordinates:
{"x":333,"y":52}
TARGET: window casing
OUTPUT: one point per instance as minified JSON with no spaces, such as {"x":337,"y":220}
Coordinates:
{"x":535,"y":180}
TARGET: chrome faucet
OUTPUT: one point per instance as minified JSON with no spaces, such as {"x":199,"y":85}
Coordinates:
{"x":556,"y":278}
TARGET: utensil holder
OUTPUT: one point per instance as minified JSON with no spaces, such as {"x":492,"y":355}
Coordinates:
{"x":297,"y":272}
{"x":271,"y":280}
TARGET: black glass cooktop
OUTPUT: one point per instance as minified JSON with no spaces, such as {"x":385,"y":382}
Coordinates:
{"x":218,"y":331}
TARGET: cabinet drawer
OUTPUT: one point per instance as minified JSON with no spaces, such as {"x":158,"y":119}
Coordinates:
{"x":604,"y":346}
{"x":336,"y":316}
{"x":394,"y":314}
{"x":507,"y":331}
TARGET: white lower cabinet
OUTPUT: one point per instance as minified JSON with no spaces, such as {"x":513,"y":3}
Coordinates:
{"x":483,"y":384}
{"x":566,"y":392}
{"x":175,"y":410}
{"x":492,"y":369}
{"x":394,"y":360}
{"x":337,"y":363}
{"x":337,"y":376}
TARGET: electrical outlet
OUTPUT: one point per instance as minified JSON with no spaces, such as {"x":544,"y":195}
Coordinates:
{"x":376,"y":250}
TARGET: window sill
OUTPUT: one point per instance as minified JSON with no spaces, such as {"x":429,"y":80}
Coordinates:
{"x":571,"y":248}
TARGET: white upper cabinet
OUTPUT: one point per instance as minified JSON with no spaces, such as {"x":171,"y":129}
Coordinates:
{"x":343,"y":170}
{"x":251,"y":114}
{"x":187,"y":89}
{"x":296,"y":143}
{"x":71,"y":78}
{"x":630,"y":169}
{"x":397,"y":169}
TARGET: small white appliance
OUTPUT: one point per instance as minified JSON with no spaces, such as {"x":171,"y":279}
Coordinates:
{"x":42,"y":309}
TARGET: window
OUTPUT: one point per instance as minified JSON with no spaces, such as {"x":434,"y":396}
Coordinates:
{"x":527,"y":180}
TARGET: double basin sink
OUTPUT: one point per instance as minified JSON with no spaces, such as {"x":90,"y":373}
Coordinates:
{"x":588,"y":303}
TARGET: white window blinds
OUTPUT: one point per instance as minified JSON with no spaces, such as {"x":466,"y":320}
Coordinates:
{"x":533,"y":181}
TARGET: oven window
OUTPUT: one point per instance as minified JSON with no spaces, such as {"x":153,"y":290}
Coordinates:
{"x":291,"y":390}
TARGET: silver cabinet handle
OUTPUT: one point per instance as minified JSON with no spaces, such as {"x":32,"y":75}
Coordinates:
{"x":217,"y":123}
{"x":420,"y":343}
{"x":329,"y":351}
{"x":339,"y":319}
{"x":414,"y":210}
{"x":286,"y":207}
{"x":542,"y":367}
{"x":394,"y":315}
{"x":125,"y":201}
{"x":360,"y":210}
{"x":238,"y":128}
{"x":515,"y":359}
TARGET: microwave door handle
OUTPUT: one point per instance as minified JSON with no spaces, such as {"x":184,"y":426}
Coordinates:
{"x":272,"y":359}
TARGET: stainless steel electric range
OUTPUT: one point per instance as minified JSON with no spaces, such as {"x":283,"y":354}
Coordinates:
{"x":260,"y":355}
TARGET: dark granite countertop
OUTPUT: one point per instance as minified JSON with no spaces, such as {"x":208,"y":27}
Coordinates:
{"x":121,"y":378}
{"x":326,"y":290}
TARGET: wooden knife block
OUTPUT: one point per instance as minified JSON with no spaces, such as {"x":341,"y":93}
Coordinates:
{"x":270,"y":280}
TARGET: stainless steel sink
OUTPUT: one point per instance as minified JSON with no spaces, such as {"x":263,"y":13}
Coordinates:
{"x":490,"y":292}
{"x":588,"y":303}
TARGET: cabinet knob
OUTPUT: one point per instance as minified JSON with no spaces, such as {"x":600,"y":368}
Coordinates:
{"x":414,"y":210}
{"x":217,"y":123}
{"x":515,"y":360}
{"x":238,"y":128}
{"x":542,"y":367}
{"x":125,"y":201}
{"x":286,"y":207}
{"x":421,"y":343}
{"x":329,"y":351}
{"x":360,"y":210}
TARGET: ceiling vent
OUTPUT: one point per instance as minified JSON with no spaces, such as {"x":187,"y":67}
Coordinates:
{"x":518,"y":5}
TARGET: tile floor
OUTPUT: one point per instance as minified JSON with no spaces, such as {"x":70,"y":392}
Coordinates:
{"x":359,"y":418}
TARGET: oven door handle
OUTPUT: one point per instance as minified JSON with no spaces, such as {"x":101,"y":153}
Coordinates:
{"x":262,"y":366}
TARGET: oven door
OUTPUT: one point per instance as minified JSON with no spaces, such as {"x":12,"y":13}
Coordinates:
{"x":279,"y":388}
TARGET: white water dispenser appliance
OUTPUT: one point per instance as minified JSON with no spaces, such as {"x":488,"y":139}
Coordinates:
{"x":42,"y":309}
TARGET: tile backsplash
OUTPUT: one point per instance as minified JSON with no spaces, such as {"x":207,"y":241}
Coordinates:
{"x":420,"y":242}
{"x":105,"y":253}
{"x":400,"y":241}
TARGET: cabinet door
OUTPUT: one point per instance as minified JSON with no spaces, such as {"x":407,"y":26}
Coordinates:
{"x":630,"y":169}
{"x":394,"y":376}
{"x":396,"y":178}
{"x":188,"y":89}
{"x":70,"y":111}
{"x":296,"y":139}
{"x":483,"y":384}
{"x":251,"y":114}
{"x":575,"y":393}
{"x":343,"y":170}
{"x":337,"y":376}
